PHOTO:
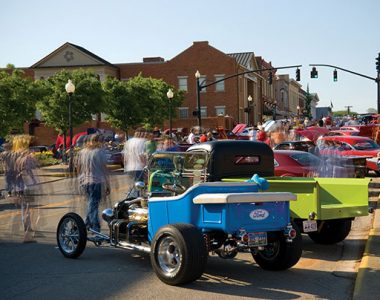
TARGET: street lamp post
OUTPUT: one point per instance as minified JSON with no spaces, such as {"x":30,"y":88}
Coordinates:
{"x":70,"y":89}
{"x":249,"y":109}
{"x":274,"y":110}
{"x":198,"y":76}
{"x":170,"y":96}
{"x":298,"y":111}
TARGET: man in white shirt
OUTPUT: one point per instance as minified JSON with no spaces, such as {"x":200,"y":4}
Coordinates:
{"x":135,"y":156}
{"x":194,"y":132}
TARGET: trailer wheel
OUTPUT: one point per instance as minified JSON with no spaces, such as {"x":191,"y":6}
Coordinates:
{"x":280,"y":254}
{"x":332,"y":231}
{"x":71,"y":235}
{"x":179,"y":254}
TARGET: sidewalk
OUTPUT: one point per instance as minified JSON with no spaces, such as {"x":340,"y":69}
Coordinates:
{"x":62,"y":170}
{"x":367,"y":285}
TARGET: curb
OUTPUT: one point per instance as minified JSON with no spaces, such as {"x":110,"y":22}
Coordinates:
{"x":66,"y":173}
{"x":366,"y":284}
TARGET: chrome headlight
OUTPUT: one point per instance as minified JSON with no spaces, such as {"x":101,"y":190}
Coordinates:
{"x":108,"y":215}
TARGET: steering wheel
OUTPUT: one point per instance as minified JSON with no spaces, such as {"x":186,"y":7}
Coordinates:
{"x":174,"y":188}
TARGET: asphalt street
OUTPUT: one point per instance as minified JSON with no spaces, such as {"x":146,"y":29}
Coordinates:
{"x":38,"y":270}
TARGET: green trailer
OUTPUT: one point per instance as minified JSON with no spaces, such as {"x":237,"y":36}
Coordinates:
{"x":325,"y":207}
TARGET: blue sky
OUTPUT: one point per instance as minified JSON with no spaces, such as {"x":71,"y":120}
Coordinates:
{"x":342,"y":33}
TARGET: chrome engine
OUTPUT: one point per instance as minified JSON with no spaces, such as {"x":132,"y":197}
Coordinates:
{"x":127,"y":221}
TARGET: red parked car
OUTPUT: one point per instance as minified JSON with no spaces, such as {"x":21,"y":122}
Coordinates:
{"x":347,"y":146}
{"x":350,"y":146}
{"x":295,"y":163}
{"x":342,"y":132}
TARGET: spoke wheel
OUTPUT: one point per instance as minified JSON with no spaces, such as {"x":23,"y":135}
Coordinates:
{"x":71,"y":235}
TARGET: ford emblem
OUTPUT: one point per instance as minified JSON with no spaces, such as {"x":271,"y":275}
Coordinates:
{"x":259,"y":214}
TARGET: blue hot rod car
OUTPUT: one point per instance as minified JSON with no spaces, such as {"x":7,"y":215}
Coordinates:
{"x":181,"y":216}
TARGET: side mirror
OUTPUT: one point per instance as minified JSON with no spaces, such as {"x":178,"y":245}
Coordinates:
{"x":139,"y":185}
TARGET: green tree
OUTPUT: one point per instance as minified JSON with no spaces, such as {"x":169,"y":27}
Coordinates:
{"x":87,"y":99}
{"x":308,"y":99}
{"x":139,"y":101}
{"x":18,"y":95}
{"x":342,"y":113}
{"x":372,"y":110}
{"x":122,"y":109}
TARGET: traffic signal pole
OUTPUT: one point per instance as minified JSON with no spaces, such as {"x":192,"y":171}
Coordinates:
{"x":377,"y":80}
{"x":203,"y":84}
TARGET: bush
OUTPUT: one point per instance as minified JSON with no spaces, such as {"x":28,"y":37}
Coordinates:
{"x":46,"y":158}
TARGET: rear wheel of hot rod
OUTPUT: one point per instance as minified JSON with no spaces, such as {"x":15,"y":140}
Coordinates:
{"x":279,"y":254}
{"x":332,"y":232}
{"x":71,"y":235}
{"x":179,"y":254}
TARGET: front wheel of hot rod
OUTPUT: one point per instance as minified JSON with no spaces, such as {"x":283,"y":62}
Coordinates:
{"x":332,"y":231}
{"x":279,"y":254}
{"x":179,"y":254}
{"x":71,"y":235}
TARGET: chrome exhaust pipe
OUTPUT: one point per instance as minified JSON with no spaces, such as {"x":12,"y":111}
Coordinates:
{"x":130,"y":246}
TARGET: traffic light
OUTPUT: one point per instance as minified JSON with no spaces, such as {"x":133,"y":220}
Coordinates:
{"x":378,"y":64}
{"x":335,"y":75}
{"x":298,"y":75}
{"x":270,"y":78}
{"x":314,"y":73}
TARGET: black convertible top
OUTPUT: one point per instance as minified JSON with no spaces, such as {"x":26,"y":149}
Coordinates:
{"x":237,"y":158}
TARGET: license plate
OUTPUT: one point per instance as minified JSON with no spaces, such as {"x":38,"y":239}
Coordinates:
{"x":257,"y":239}
{"x":309,"y":226}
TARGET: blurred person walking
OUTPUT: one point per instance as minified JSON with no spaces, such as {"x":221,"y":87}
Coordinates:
{"x":93,"y":178}
{"x":135,"y":158}
{"x":25,"y":185}
{"x":7,"y":161}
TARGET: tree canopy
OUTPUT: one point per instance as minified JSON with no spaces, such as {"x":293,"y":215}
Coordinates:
{"x":86,"y":100}
{"x":18,"y":95}
{"x":372,"y":110}
{"x":138,"y":101}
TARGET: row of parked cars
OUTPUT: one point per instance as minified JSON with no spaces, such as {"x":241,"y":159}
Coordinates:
{"x":340,"y":153}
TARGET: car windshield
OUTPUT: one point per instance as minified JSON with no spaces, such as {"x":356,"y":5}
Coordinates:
{"x":306,"y":159}
{"x":186,"y":168}
{"x":366,"y":145}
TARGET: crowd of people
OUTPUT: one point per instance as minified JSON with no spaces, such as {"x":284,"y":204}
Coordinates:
{"x":19,"y":165}
{"x":20,"y":182}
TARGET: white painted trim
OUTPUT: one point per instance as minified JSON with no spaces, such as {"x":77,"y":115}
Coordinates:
{"x":244,"y":198}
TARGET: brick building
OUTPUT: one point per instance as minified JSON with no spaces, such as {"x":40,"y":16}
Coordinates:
{"x":222,"y":104}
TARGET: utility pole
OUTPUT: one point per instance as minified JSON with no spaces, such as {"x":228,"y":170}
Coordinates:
{"x":378,"y":82}
{"x":348,"y":109}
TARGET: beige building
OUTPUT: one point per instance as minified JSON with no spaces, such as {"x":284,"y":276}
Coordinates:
{"x":294,"y":96}
{"x":70,"y":57}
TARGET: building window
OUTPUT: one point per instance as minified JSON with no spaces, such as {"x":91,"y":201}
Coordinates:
{"x":220,"y":110}
{"x":182,"y":83}
{"x":202,"y":81}
{"x":204,"y":111}
{"x":219,"y":87}
{"x":183,"y":112}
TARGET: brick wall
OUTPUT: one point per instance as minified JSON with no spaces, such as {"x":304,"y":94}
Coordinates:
{"x":210,"y":62}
